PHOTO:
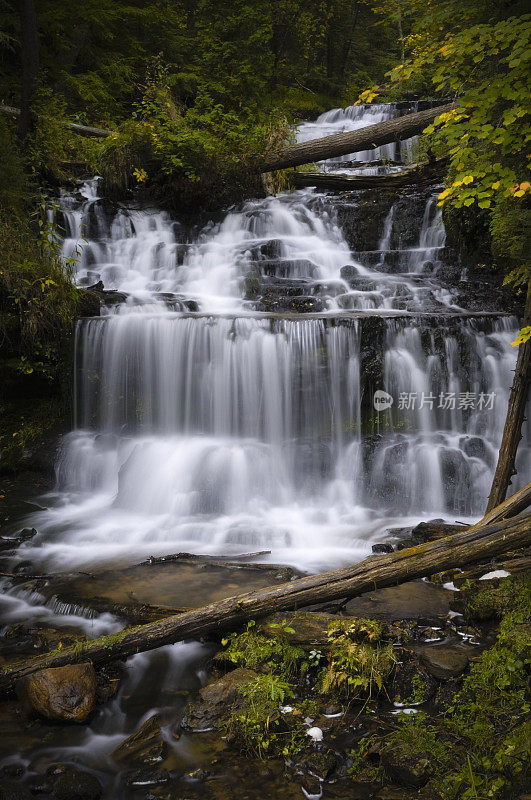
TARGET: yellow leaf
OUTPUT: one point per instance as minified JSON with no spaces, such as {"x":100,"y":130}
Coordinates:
{"x":496,"y":185}
{"x":468,"y":179}
{"x":444,"y":194}
{"x":523,"y":336}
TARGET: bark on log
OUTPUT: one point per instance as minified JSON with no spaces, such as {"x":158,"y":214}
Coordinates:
{"x":514,"y":504}
{"x":373,"y":573}
{"x":512,"y":431}
{"x":418,"y":173}
{"x":341,"y":144}
{"x":82,"y":130}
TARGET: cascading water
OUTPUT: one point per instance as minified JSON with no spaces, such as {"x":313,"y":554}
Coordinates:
{"x":212,"y":417}
{"x":207,"y":420}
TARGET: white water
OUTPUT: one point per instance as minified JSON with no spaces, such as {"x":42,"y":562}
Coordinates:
{"x":228,"y":430}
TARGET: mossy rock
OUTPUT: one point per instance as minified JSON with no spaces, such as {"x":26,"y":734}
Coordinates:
{"x":217,"y":700}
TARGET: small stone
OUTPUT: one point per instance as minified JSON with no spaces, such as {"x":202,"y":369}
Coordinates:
{"x":65,"y":693}
{"x":382,"y":547}
{"x":145,"y":745}
{"x":319,"y":763}
{"x":146,"y":777}
{"x":406,"y":765}
{"x":311,"y":786}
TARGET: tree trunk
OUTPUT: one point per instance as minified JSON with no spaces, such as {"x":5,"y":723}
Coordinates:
{"x":374,"y":573}
{"x":82,"y":130}
{"x":341,"y":144}
{"x":512,"y":431}
{"x":30,"y":63}
{"x":417,"y":173}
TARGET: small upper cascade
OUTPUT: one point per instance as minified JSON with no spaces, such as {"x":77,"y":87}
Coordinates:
{"x":351,"y":118}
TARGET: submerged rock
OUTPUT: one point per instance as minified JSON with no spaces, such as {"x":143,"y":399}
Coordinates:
{"x":66,"y":694}
{"x":217,"y":700}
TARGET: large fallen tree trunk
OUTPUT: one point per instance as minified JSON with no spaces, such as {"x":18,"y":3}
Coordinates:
{"x":83,"y":130}
{"x":512,"y":431}
{"x":341,"y":144}
{"x":373,"y":573}
{"x":417,"y":173}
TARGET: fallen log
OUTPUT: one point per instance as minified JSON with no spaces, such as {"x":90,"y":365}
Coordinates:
{"x":375,"y":572}
{"x":514,"y":504}
{"x":512,"y":431}
{"x":417,"y":173}
{"x":341,"y":144}
{"x":82,"y":130}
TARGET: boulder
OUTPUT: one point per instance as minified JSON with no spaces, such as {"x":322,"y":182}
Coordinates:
{"x":405,"y":765}
{"x":217,"y":700}
{"x":434,"y":529}
{"x":65,"y":694}
{"x":69,"y":783}
{"x":145,"y":745}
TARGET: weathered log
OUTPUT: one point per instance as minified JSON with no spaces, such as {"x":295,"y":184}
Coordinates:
{"x":514,"y":504}
{"x":82,"y":130}
{"x":341,"y":144}
{"x":373,"y":573}
{"x":417,"y":173}
{"x":505,"y":468}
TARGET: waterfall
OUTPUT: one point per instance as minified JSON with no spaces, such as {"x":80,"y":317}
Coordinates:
{"x":213,"y":414}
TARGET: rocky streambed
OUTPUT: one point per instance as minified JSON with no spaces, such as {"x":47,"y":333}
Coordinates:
{"x":350,"y":699}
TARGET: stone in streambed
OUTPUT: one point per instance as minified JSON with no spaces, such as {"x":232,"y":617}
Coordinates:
{"x":65,"y":694}
{"x":381,"y":548}
{"x":217,"y":700}
{"x":146,"y":745}
{"x":444,"y":661}
{"x":412,"y":684}
{"x":405,"y":765}
{"x":70,"y":784}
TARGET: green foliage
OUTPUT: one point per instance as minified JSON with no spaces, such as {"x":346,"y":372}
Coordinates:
{"x":482,"y":54}
{"x":358,"y":662}
{"x":37,"y":304}
{"x":254,"y":650}
{"x":480,"y":748}
{"x":259,"y":728}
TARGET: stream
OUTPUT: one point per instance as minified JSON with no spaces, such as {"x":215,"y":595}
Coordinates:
{"x":296,"y":377}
